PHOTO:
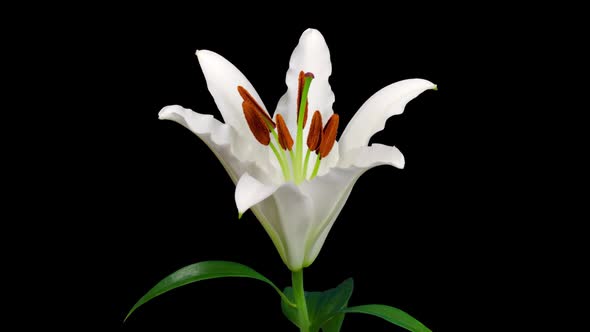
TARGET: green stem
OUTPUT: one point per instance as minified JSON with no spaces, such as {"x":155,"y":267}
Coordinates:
{"x":299,"y":294}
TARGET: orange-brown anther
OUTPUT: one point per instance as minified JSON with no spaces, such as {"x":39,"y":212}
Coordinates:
{"x":256,"y":122}
{"x":299,"y":92}
{"x":247,"y":97}
{"x":329,"y":135}
{"x":285,"y":139}
{"x":315,"y":132}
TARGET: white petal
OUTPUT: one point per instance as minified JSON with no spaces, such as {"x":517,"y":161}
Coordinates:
{"x":294,"y":209}
{"x":236,"y":155}
{"x":371,"y":117}
{"x":330,"y":192}
{"x":284,"y":211}
{"x":250,"y":192}
{"x":288,"y":214}
{"x":371,"y":156}
{"x":310,"y":55}
{"x":223,"y":79}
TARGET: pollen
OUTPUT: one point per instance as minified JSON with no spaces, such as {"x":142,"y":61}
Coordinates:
{"x":302,"y":76}
{"x":256,"y":122}
{"x":285,"y":139}
{"x":315,"y":132}
{"x":247,"y":97}
{"x":329,"y":135}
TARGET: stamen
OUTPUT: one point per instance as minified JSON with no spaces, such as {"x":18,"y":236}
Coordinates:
{"x":258,"y":119}
{"x":299,"y":92}
{"x":256,"y":122}
{"x":281,"y":157}
{"x":247,"y":97}
{"x":285,"y":139}
{"x":313,"y":139}
{"x":329,"y":135}
{"x":315,"y":132}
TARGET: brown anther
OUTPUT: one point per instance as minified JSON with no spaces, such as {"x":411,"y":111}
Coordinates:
{"x":329,"y":135}
{"x":247,"y":97}
{"x":299,"y":92}
{"x":285,"y":139}
{"x":256,"y":122}
{"x":315,"y":132}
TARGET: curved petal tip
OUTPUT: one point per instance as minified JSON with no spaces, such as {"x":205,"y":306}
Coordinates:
{"x":312,"y":34}
{"x":401,"y":163}
{"x":201,"y":53}
{"x":250,"y":191}
{"x":166,"y":113}
{"x":311,"y":31}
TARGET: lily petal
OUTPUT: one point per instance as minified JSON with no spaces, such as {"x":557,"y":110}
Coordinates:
{"x":285,"y":212}
{"x":236,"y":155}
{"x":250,"y":191}
{"x":292,"y":209}
{"x":368,"y":156}
{"x":223,"y":79}
{"x":371,"y":117}
{"x":331,"y":191}
{"x":310,"y":55}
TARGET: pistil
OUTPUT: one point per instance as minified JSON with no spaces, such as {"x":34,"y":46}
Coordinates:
{"x":298,"y":162}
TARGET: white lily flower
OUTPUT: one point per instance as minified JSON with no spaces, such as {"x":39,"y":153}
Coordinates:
{"x":297,"y":206}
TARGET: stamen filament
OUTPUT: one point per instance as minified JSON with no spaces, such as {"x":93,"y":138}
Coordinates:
{"x":292,"y":154}
{"x":282,"y":163}
{"x":282,"y":157}
{"x":316,"y":167}
{"x":297,"y":163}
{"x":306,"y":163}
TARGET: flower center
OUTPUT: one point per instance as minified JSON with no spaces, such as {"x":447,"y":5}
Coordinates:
{"x":320,"y":141}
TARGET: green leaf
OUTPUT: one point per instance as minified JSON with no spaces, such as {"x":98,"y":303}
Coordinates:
{"x":334,"y":324}
{"x":323,"y":307}
{"x":289,"y":311}
{"x":391,"y":315}
{"x":203,"y":271}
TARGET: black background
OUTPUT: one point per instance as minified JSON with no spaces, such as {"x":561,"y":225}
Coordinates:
{"x":147,"y":197}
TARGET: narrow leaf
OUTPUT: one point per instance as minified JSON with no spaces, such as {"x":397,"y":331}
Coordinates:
{"x":391,"y":315}
{"x":203,"y":271}
{"x":331,"y":302}
{"x":289,"y":311}
{"x":334,"y":324}
{"x":322,"y":306}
